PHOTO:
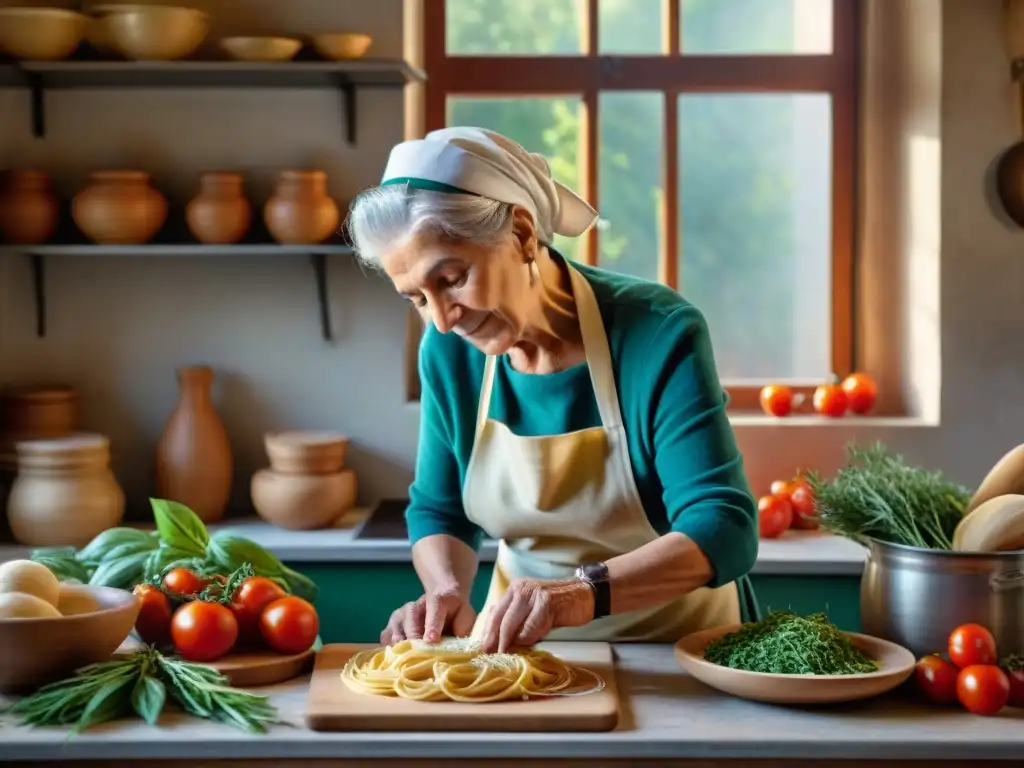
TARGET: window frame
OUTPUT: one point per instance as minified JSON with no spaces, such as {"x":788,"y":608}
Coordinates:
{"x":589,"y":73}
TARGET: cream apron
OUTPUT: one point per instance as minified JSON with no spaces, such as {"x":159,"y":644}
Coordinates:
{"x":558,"y":501}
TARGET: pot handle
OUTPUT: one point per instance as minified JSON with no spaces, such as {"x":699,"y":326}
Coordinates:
{"x":1006,"y":580}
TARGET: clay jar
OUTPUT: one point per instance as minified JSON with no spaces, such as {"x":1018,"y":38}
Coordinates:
{"x":65,"y":493}
{"x":29,"y":211}
{"x":194,"y":465}
{"x":220,"y":212}
{"x":300,"y":211}
{"x":119,"y":208}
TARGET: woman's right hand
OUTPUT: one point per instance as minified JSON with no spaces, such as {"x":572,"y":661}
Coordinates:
{"x":428,"y":617}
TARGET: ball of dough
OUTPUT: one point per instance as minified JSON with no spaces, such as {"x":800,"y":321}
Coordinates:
{"x":30,"y":578}
{"x":16,"y":605}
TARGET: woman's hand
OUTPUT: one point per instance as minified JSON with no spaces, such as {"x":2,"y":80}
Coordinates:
{"x":427,"y":618}
{"x":531,"y":608}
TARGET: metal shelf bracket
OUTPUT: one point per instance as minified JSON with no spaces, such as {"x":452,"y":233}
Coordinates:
{"x":37,"y":93}
{"x":38,"y":265}
{"x":319,"y":261}
{"x":347,"y":91}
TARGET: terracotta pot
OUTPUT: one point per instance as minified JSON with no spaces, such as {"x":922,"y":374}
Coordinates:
{"x":300,"y":212}
{"x":193,"y":458}
{"x":302,"y":502}
{"x":119,"y":207}
{"x":65,"y":493}
{"x":306,"y":453}
{"x":29,"y":211}
{"x":39,"y":411}
{"x":220,"y":212}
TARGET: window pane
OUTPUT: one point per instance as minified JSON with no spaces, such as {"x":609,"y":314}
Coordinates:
{"x":514,"y":27}
{"x":629,"y":26}
{"x":545,"y":125}
{"x":756,"y":222}
{"x":756,"y":26}
{"x":631,"y":158}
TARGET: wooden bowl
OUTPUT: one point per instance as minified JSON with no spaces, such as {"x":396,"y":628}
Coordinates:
{"x":37,"y":651}
{"x":302,"y":502}
{"x":341,"y":46}
{"x":297,"y":452}
{"x":895,"y":663}
{"x":157,"y":33}
{"x":261,"y":48}
{"x":40,"y":34}
{"x":97,"y":31}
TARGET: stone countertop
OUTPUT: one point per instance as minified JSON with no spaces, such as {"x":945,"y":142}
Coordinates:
{"x":665,"y":714}
{"x":796,"y":553}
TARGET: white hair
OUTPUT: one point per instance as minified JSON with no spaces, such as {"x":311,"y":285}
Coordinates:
{"x":383,"y":217}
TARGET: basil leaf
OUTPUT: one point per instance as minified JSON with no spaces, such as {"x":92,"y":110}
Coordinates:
{"x":180,"y":527}
{"x":129,"y":548}
{"x":95,"y":550}
{"x":232,"y":552}
{"x":62,"y":564}
{"x":148,"y":698}
{"x":300,"y":585}
{"x":163,"y":558}
{"x":123,"y":574}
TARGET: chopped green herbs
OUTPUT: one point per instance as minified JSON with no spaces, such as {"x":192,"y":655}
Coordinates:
{"x":784,"y":643}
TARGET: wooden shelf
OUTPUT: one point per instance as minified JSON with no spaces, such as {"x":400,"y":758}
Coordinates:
{"x":317,"y":254}
{"x":345,"y":77}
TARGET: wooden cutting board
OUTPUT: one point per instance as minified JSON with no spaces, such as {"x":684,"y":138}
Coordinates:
{"x":331,"y":706}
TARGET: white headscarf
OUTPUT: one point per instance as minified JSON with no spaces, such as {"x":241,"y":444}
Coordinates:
{"x":485,"y":163}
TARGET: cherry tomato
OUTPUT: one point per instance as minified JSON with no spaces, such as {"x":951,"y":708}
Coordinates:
{"x":203,"y":631}
{"x":184,"y":582}
{"x":983,"y":689}
{"x":830,"y":400}
{"x":775,"y":515}
{"x":1016,"y":678}
{"x":248,"y":602}
{"x":936,"y":679}
{"x":971,"y":644}
{"x":154,"y":621}
{"x":781,"y":489}
{"x":777,"y":400}
{"x":861,"y":392}
{"x":289,"y":625}
{"x":801,"y":497}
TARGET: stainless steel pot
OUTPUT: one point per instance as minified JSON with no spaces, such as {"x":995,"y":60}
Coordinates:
{"x":916,"y":597}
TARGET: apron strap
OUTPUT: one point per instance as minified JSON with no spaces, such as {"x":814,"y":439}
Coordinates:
{"x":595,"y":346}
{"x":486,"y":387}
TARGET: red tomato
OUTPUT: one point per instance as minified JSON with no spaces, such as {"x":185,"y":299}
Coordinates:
{"x":830,"y":400}
{"x":936,"y":679}
{"x":184,"y":582}
{"x":971,"y":644}
{"x":1016,"y":678}
{"x":983,"y":689}
{"x":203,"y":631}
{"x":154,"y":621}
{"x":255,"y":594}
{"x":861,"y":392}
{"x":775,"y":515}
{"x":781,"y":488}
{"x":289,"y":625}
{"x":801,"y":497}
{"x":777,"y":400}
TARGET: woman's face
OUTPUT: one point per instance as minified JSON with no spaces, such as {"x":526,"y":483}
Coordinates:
{"x":483,"y":294}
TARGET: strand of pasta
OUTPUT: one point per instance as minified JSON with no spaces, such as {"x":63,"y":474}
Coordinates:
{"x":457,"y":670}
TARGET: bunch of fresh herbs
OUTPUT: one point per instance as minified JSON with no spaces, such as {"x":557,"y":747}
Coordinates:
{"x":124,"y":557}
{"x":877,"y":495}
{"x":784,"y":643}
{"x":143,"y":683}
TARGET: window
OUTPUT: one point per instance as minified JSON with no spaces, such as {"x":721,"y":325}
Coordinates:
{"x":715,"y":137}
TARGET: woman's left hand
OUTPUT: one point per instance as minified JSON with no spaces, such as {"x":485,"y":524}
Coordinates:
{"x":531,"y":608}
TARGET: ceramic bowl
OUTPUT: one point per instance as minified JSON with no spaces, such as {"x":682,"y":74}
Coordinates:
{"x":297,"y":452}
{"x":261,"y":48}
{"x":40,"y":34}
{"x":302,"y":502}
{"x":895,"y":664}
{"x":97,"y":31}
{"x":157,"y":33}
{"x":341,"y":46}
{"x":37,"y":651}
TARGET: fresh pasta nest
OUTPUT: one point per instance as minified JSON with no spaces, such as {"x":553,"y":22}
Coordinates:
{"x":457,"y":670}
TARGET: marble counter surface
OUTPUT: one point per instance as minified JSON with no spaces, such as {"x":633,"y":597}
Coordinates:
{"x":665,"y":714}
{"x":796,"y":553}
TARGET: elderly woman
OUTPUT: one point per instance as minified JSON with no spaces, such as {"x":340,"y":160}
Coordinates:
{"x":571,"y":413}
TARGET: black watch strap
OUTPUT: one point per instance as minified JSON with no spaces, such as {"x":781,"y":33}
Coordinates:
{"x":596,"y":576}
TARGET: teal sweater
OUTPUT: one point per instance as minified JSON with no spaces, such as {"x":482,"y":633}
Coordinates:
{"x":685,"y":460}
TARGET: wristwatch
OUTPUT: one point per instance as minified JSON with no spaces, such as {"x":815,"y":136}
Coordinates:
{"x":595,"y":575}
